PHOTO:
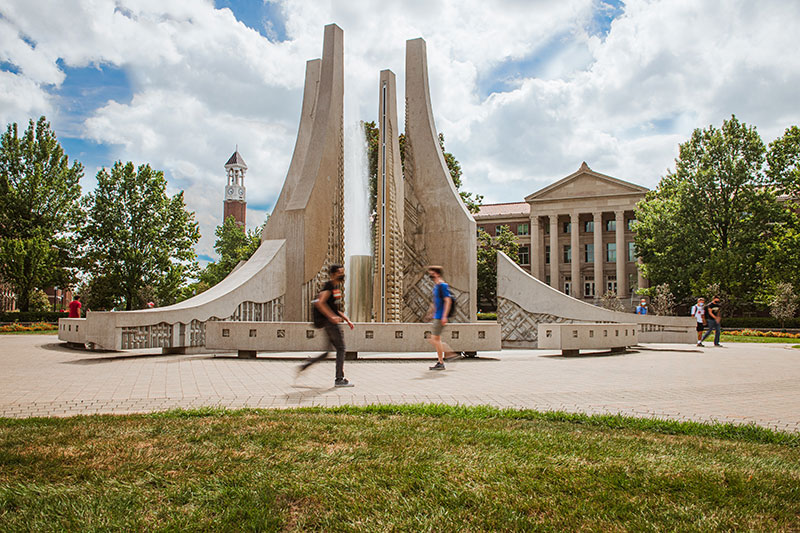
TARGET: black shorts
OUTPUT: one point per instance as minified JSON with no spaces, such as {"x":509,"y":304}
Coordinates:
{"x":701,"y":326}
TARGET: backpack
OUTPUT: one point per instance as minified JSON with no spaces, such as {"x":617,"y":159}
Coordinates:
{"x":452,"y":301}
{"x":320,"y":320}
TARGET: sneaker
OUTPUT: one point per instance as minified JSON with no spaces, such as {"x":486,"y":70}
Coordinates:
{"x":717,"y":346}
{"x":437,"y":366}
{"x":700,"y":343}
{"x":342,"y":383}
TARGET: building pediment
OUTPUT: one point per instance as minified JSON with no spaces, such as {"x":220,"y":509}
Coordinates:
{"x":585,"y":183}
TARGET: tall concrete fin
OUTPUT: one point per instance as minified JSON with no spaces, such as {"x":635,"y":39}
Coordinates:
{"x":387,"y":300}
{"x":438,"y":227}
{"x":309,"y":212}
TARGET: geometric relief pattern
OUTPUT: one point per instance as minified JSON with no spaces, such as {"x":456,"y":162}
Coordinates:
{"x":418,"y":298}
{"x":517,"y":324}
{"x":154,"y":336}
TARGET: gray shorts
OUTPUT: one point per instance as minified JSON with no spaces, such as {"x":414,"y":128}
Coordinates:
{"x":437,"y":328}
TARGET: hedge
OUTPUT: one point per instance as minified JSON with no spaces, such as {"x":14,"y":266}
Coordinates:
{"x":758,"y":322}
{"x":487,"y":316}
{"x":32,"y":316}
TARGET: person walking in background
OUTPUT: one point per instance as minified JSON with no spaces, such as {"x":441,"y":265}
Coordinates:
{"x":439,"y":311}
{"x":641,"y":309}
{"x":699,"y":313}
{"x":714,"y":319}
{"x":75,"y":307}
{"x":328,"y":314}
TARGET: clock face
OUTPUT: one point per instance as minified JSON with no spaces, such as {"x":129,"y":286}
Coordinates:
{"x":241,"y":192}
{"x":229,"y":191}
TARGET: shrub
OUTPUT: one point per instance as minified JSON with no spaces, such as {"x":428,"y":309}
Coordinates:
{"x":487,"y":316}
{"x":756,"y":333}
{"x":32,"y":316}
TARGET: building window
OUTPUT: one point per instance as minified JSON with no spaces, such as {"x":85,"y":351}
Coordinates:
{"x":631,"y":222}
{"x":588,"y":226}
{"x":547,"y":255}
{"x":611,"y":225}
{"x":567,"y":227}
{"x":547,"y":280}
{"x":524,"y":255}
{"x":498,"y":229}
{"x":481,"y":228}
{"x":611,"y":284}
{"x":567,"y":288}
{"x":631,"y":251}
{"x":588,"y":289}
{"x":611,"y":252}
{"x":567,"y":253}
{"x":547,"y":229}
{"x":588,"y":253}
{"x":523,"y":229}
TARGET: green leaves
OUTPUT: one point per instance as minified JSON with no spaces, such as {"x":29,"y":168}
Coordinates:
{"x":715,"y":218}
{"x":233,"y":245}
{"x":39,"y":209}
{"x":136,"y":235}
{"x":505,"y":242}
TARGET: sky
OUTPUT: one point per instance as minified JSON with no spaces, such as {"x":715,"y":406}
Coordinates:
{"x":523,"y":90}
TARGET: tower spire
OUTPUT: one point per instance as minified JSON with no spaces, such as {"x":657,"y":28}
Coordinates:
{"x":235,"y":203}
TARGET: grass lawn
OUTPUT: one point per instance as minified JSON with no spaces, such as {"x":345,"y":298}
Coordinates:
{"x":409,"y":468}
{"x":743,"y":338}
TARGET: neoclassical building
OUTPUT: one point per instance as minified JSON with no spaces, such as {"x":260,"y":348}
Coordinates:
{"x":575,"y":234}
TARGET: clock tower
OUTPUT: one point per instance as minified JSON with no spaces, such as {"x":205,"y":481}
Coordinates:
{"x":235,"y":194}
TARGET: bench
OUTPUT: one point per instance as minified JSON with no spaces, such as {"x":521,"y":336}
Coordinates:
{"x":572,"y":338}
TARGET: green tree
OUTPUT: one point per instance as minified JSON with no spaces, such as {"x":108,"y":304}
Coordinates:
{"x":710,"y":221}
{"x":39,"y":208}
{"x":488,"y":247}
{"x":233,"y":245}
{"x":783,"y":162}
{"x":783,"y":304}
{"x":136,"y":235}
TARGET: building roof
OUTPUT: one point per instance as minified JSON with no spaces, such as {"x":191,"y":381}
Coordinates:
{"x":236,"y":160}
{"x":593,"y":183}
{"x":512,"y":209}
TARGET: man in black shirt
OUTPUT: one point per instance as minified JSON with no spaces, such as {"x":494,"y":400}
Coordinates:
{"x":714,"y":319}
{"x":327,"y":304}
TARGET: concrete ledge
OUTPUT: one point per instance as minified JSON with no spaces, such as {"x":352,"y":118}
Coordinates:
{"x":72,"y":330}
{"x":571,"y":338}
{"x":366,"y":337}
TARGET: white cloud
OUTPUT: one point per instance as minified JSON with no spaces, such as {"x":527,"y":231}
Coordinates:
{"x":203,"y":82}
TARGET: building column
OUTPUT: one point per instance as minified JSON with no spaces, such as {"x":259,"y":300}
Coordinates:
{"x":599,"y":255}
{"x":536,"y":248}
{"x":575,"y":265}
{"x":622,"y":256}
{"x":554,"y":252}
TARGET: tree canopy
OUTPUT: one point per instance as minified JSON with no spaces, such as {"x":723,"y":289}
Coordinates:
{"x":505,"y":242}
{"x":234,"y":244}
{"x":137,"y":238}
{"x":715,"y":218}
{"x":39,"y":208}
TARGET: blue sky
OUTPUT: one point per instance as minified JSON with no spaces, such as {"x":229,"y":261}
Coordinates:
{"x":524,"y":91}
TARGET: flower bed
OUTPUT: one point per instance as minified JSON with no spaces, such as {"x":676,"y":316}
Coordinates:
{"x":38,"y":326}
{"x":756,"y":333}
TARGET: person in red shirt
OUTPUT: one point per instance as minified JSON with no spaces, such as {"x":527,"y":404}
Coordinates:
{"x":75,"y":308}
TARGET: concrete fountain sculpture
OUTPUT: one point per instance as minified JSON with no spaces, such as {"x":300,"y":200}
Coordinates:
{"x":265,"y":304}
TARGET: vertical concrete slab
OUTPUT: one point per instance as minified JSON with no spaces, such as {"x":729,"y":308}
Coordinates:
{"x":438,"y":227}
{"x":387,"y":299}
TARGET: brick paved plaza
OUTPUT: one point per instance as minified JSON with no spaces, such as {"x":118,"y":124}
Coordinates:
{"x":741,"y":383}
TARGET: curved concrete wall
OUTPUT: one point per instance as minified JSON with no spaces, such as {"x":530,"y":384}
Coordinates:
{"x":524,"y":302}
{"x":438,"y":228}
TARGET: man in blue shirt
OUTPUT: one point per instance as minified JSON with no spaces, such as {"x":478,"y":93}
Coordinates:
{"x":642,"y":308}
{"x":439,"y":311}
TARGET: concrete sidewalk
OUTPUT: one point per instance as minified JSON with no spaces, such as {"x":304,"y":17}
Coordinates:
{"x":740,"y":383}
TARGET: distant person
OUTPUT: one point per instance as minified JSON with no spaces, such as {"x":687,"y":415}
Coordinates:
{"x":439,"y":311}
{"x":75,"y":307}
{"x":641,"y":309}
{"x":714,"y":319}
{"x":699,"y":313}
{"x":329,"y":315}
